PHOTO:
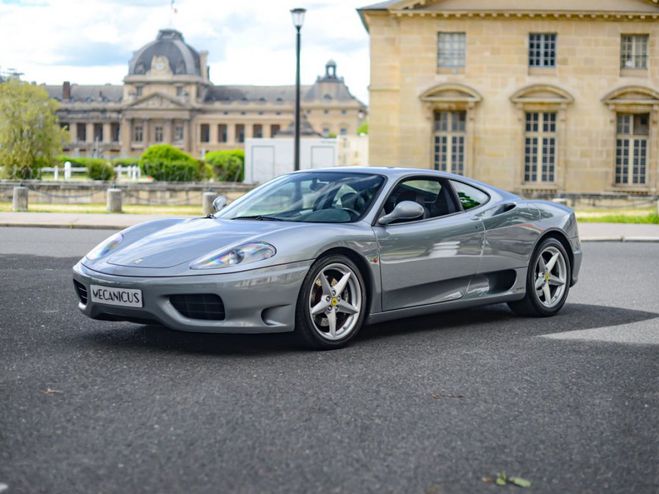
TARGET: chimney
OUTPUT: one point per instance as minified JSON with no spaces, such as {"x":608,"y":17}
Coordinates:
{"x":66,"y":90}
{"x":203,"y":62}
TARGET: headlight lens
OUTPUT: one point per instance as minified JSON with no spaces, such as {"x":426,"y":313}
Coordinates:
{"x":105,"y":247}
{"x":243,"y":254}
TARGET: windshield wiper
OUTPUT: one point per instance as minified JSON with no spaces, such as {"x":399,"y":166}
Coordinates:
{"x":258,"y":217}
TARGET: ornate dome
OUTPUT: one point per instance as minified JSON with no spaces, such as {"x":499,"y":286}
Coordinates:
{"x":170,"y":46}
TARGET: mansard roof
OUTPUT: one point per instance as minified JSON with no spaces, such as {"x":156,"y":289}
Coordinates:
{"x":252,"y":94}
{"x":104,"y":93}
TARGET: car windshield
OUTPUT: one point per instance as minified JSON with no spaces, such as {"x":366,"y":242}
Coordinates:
{"x":311,"y":197}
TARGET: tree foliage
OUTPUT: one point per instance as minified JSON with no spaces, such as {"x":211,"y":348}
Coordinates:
{"x":164,"y":162}
{"x":30,"y":135}
{"x":362,"y":129}
{"x":228,"y":166}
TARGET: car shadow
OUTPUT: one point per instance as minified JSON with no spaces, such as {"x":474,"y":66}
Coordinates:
{"x":501,"y":319}
{"x":495,"y":320}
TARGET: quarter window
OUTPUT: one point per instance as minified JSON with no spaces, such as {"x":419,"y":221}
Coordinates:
{"x":542,"y":49}
{"x":540,"y":147}
{"x":449,"y":141}
{"x":158,"y":133}
{"x":634,"y":51}
{"x":469,"y":197}
{"x":632,"y":131}
{"x":451,"y":50}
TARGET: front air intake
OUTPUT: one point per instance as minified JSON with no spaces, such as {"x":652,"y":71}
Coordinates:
{"x":204,"y":306}
{"x":81,"y":291}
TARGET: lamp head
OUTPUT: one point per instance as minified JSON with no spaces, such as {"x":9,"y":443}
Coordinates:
{"x":298,"y":17}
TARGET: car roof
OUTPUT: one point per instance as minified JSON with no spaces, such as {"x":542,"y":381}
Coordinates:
{"x":396,"y":173}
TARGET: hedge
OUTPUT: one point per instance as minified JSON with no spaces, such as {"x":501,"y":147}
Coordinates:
{"x":164,"y":162}
{"x":228,"y":166}
{"x":97,"y":168}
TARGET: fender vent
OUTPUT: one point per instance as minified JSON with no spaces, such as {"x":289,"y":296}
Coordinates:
{"x":204,"y":306}
{"x":81,"y":291}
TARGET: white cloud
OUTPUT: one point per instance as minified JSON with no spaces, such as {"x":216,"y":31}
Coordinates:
{"x":250,"y":42}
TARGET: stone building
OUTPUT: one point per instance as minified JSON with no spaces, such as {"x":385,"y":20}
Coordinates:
{"x":168,"y":96}
{"x":533,"y":96}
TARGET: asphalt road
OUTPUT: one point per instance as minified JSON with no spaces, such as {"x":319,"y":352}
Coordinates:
{"x":424,"y":405}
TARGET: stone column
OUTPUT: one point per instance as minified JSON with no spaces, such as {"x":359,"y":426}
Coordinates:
{"x":114,"y":201}
{"x":107,"y":132}
{"x":90,"y":132}
{"x":231,"y":133}
{"x":19,"y":202}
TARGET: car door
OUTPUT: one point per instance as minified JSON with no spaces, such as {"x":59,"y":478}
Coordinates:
{"x":510,"y":228}
{"x":431,"y":259}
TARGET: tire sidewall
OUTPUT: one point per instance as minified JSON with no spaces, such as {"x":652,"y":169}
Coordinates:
{"x":304,"y":326}
{"x":530,"y":278}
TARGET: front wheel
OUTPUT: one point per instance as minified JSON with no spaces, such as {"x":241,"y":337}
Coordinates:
{"x":332,"y":303}
{"x":547,"y":281}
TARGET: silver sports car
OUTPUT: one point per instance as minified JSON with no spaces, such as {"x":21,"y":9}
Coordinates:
{"x":323,"y":252}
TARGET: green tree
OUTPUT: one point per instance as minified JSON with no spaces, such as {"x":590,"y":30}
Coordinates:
{"x":30,"y":135}
{"x":362,"y":129}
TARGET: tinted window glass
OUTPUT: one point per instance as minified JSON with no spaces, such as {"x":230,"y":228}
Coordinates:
{"x":312,"y":197}
{"x":429,"y":193}
{"x":470,"y":197}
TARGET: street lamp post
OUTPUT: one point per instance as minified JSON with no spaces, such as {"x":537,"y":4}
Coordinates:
{"x":298,"y":20}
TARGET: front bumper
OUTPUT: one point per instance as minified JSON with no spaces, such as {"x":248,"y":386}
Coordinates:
{"x":255,"y":301}
{"x":577,"y":255}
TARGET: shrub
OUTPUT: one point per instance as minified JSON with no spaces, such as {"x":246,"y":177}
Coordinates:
{"x":164,"y":162}
{"x":228,"y":166}
{"x":165,"y":153}
{"x":98,"y":169}
{"x":174,"y":171}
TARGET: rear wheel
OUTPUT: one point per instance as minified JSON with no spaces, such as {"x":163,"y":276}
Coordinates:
{"x":332,"y":303}
{"x":547,"y":281}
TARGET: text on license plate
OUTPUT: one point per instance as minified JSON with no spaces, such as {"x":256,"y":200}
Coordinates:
{"x":124,"y":297}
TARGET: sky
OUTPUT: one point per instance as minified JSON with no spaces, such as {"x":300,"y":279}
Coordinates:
{"x":249,"y":41}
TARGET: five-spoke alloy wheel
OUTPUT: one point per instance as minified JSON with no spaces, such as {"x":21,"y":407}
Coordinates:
{"x":547,"y":282}
{"x":332,"y":303}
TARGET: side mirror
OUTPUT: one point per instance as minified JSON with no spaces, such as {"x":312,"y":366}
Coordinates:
{"x":219,"y":203}
{"x":405,"y":210}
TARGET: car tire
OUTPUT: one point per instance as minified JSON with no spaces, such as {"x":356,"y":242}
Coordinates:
{"x":547,"y":281}
{"x":331,"y":307}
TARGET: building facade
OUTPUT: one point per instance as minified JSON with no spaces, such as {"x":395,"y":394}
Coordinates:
{"x":168,"y":97}
{"x":535,"y":97}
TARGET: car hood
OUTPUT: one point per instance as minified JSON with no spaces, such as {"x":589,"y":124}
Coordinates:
{"x":189,"y":240}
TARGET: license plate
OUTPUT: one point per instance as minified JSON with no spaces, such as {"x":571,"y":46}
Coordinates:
{"x":123,"y":297}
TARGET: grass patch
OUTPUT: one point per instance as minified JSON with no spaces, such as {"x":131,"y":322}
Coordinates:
{"x":101,"y":209}
{"x":646,"y":219}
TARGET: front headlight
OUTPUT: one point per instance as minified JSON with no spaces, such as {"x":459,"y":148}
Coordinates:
{"x":243,"y":254}
{"x":105,"y":247}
